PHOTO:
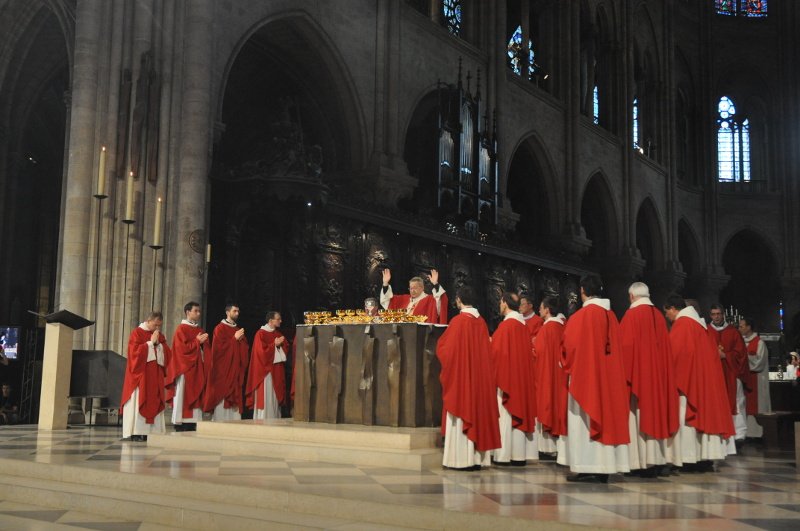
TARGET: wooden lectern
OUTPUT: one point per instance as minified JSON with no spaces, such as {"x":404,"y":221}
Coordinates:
{"x":57,"y":367}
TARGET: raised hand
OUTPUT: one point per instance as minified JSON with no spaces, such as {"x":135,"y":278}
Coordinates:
{"x":434,"y":277}
{"x":387,"y":276}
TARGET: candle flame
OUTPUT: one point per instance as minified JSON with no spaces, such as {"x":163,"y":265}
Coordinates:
{"x":104,"y":148}
{"x":159,"y":199}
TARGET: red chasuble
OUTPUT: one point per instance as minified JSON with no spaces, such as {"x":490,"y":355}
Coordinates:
{"x":649,"y":370}
{"x":751,"y":380}
{"x":261,"y":364}
{"x":426,"y":306}
{"x":187,"y":360}
{"x":551,"y":380}
{"x":534,"y":324}
{"x":225,"y":369}
{"x":468,"y":390}
{"x":597,"y":378}
{"x":513,"y":368}
{"x":735,"y":365}
{"x":148,"y":376}
{"x":699,"y":378}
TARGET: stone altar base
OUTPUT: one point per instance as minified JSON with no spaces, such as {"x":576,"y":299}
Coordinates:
{"x":380,"y":446}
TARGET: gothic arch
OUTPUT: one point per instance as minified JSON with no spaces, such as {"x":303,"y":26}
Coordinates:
{"x":751,"y":260}
{"x":650,"y":235}
{"x":420,"y":145}
{"x":323,"y":73}
{"x":34,"y":80}
{"x":689,"y":251}
{"x":599,"y":217}
{"x":531,"y":188}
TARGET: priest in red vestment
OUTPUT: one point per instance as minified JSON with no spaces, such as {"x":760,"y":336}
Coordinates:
{"x":226,"y":368}
{"x":532,"y":321}
{"x":550,"y":380}
{"x":469,"y":395}
{"x":266,"y":382}
{"x":186,"y":375}
{"x":757,"y":398}
{"x":706,"y":425}
{"x":651,"y":380}
{"x":516,"y":400}
{"x":598,"y":403}
{"x":143,"y":397}
{"x":417,"y":302}
{"x":735,"y":366}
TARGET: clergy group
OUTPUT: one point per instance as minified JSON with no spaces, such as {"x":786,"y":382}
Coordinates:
{"x":596,"y":394}
{"x":599,"y":395}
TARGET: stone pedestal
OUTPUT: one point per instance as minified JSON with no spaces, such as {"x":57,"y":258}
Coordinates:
{"x":56,"y":370}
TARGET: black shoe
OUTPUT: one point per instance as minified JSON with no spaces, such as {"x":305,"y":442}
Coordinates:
{"x":180,"y":427}
{"x":502,"y":463}
{"x":518,"y":463}
{"x":705,"y":466}
{"x":143,"y":438}
{"x":547,"y":457}
{"x":651,"y":472}
{"x":588,"y":478}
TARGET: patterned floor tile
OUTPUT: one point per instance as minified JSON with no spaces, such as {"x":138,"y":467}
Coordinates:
{"x":773,"y":524}
{"x":656,"y":511}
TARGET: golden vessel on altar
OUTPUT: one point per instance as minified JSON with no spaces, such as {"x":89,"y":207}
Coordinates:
{"x":360,"y":316}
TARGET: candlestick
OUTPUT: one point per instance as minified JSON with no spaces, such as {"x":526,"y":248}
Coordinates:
{"x":129,"y":200}
{"x":208,"y":253}
{"x":157,"y":227}
{"x":101,"y":176}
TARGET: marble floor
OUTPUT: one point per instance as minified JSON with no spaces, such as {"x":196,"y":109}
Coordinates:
{"x":749,"y":491}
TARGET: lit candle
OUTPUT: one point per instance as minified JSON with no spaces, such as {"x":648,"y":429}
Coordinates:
{"x":101,"y":175}
{"x":157,"y":225}
{"x":208,"y":253}
{"x":129,"y":200}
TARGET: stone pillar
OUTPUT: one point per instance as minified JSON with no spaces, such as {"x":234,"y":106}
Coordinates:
{"x":664,"y":282}
{"x":187,"y":214}
{"x":709,"y":285}
{"x":790,"y":295}
{"x":618,"y":273}
{"x":73,"y":275}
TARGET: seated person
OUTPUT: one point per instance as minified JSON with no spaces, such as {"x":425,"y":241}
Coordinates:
{"x":9,"y":412}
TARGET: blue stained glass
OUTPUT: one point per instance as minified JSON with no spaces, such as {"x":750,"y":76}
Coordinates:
{"x":514,"y":51}
{"x":733,"y":144}
{"x":745,"y":8}
{"x":636,"y":123}
{"x":596,"y":105}
{"x":451,"y":9}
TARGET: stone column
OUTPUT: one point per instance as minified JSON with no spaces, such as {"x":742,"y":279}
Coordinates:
{"x":709,"y":285}
{"x":618,"y":273}
{"x":664,"y":282}
{"x":72,"y":276}
{"x":187,"y":213}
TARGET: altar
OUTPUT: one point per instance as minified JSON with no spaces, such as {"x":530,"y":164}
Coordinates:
{"x":372,"y":374}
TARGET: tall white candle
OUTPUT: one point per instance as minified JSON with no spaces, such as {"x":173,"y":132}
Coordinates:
{"x":208,"y":253}
{"x":129,"y":199}
{"x":157,"y":225}
{"x":101,"y":174}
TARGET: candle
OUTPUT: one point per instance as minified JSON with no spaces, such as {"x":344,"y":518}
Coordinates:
{"x":101,"y":175}
{"x":129,"y":199}
{"x":208,"y":253}
{"x":157,"y":225}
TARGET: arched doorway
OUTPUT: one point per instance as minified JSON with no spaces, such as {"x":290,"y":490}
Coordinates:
{"x":599,"y":220}
{"x":420,"y":154}
{"x":648,"y":237}
{"x":33,"y":112}
{"x":527,"y":192}
{"x":754,"y":287}
{"x":291,"y":134}
{"x":689,"y":257}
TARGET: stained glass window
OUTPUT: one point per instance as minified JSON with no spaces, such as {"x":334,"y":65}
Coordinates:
{"x":726,"y":7}
{"x":636,"y":123}
{"x":596,"y":105}
{"x":733,"y":144}
{"x":515,"y":51}
{"x":755,"y":8}
{"x":451,"y":9}
{"x":746,"y":8}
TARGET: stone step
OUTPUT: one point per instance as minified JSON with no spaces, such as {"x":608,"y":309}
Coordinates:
{"x":404,"y":459}
{"x":351,"y":435}
{"x":194,"y":503}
